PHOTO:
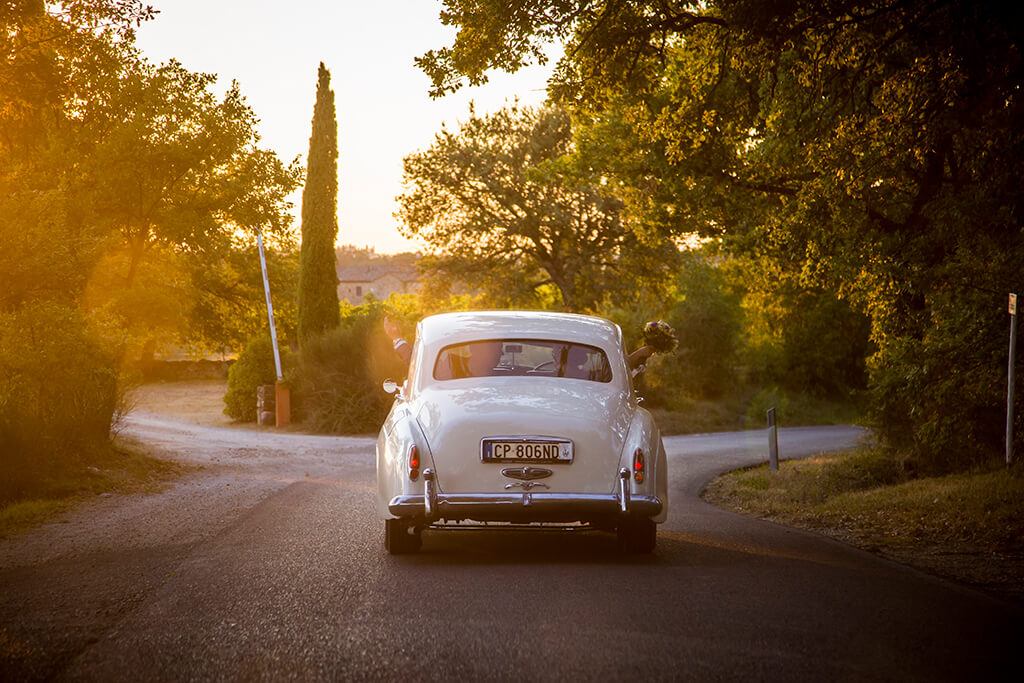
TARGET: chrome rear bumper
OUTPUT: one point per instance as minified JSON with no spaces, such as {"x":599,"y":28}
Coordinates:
{"x":528,"y":506}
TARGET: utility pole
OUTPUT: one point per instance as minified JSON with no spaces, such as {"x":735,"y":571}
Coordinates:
{"x":1009,"y":380}
{"x":282,"y":397}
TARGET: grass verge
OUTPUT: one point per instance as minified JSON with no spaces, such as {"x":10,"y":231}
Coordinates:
{"x":122,"y":468}
{"x":969,"y":526}
{"x":748,"y":411}
{"x":701,"y":417}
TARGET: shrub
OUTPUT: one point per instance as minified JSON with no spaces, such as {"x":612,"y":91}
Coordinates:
{"x":805,"y":339}
{"x":940,"y":397}
{"x":338,"y":381}
{"x":58,"y":394}
{"x":255,"y":366}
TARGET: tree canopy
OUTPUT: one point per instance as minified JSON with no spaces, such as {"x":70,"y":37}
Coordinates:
{"x":129,"y":194}
{"x":871,"y":149}
{"x":513,"y":203}
{"x":129,"y":182}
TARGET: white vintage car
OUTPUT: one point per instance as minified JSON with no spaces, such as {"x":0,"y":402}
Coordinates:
{"x":519,"y":418}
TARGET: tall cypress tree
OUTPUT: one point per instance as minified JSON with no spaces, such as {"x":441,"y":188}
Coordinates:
{"x":318,"y":278}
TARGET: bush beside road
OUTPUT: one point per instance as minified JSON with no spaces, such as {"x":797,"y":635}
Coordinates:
{"x":122,"y":466}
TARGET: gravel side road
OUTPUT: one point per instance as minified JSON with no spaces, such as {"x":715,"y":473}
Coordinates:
{"x":234,"y":470}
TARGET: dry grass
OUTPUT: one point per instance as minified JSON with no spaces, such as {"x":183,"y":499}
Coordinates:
{"x":25,"y":514}
{"x":199,"y":401}
{"x":968,"y":527}
{"x":701,"y":417}
{"x":126,"y":468}
{"x":742,"y":411}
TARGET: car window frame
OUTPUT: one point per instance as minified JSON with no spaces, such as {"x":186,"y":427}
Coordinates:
{"x":608,"y":375}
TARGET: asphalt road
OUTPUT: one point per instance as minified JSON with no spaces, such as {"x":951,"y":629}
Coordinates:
{"x":268,"y":564}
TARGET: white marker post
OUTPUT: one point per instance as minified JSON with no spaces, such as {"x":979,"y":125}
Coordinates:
{"x":1009,"y":380}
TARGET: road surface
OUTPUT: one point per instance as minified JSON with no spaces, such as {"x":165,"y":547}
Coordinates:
{"x":267,"y":563}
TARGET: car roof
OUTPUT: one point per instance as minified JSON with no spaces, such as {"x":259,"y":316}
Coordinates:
{"x":451,"y":328}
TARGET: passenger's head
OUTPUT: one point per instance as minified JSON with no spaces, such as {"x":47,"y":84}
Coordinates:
{"x":576,"y":362}
{"x":483,"y":358}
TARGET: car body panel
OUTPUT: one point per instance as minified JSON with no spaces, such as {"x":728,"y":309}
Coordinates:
{"x":447,"y":419}
{"x":456,"y":420}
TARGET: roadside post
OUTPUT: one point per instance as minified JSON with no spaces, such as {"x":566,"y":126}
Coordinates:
{"x":773,"y":442}
{"x":282,"y":402}
{"x":1010,"y":378}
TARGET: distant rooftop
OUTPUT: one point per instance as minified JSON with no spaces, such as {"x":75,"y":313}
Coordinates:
{"x":374,"y":273}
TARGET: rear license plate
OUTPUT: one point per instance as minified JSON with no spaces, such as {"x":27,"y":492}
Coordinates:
{"x":526,"y":450}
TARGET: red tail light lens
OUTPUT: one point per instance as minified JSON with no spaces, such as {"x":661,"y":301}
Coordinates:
{"x":414,"y":463}
{"x":638,"y":466}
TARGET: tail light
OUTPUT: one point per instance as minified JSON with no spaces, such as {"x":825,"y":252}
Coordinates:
{"x":414,"y":463}
{"x":638,"y":466}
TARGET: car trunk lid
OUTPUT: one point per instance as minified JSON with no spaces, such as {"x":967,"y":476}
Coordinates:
{"x":593,"y":416}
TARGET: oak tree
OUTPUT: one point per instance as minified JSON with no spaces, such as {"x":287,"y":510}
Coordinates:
{"x":516,"y":208}
{"x":123,"y":187}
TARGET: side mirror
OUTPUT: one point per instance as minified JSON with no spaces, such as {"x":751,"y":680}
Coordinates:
{"x":390,"y":386}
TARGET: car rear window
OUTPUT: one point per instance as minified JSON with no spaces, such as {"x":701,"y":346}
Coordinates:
{"x":522,"y":357}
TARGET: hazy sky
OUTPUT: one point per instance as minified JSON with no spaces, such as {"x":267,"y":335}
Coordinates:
{"x":384,"y":113}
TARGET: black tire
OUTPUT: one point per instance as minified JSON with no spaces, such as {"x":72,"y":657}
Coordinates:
{"x":400,"y":537}
{"x":637,"y":535}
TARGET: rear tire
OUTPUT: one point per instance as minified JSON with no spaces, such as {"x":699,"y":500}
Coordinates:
{"x":400,"y":537}
{"x":637,"y":535}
